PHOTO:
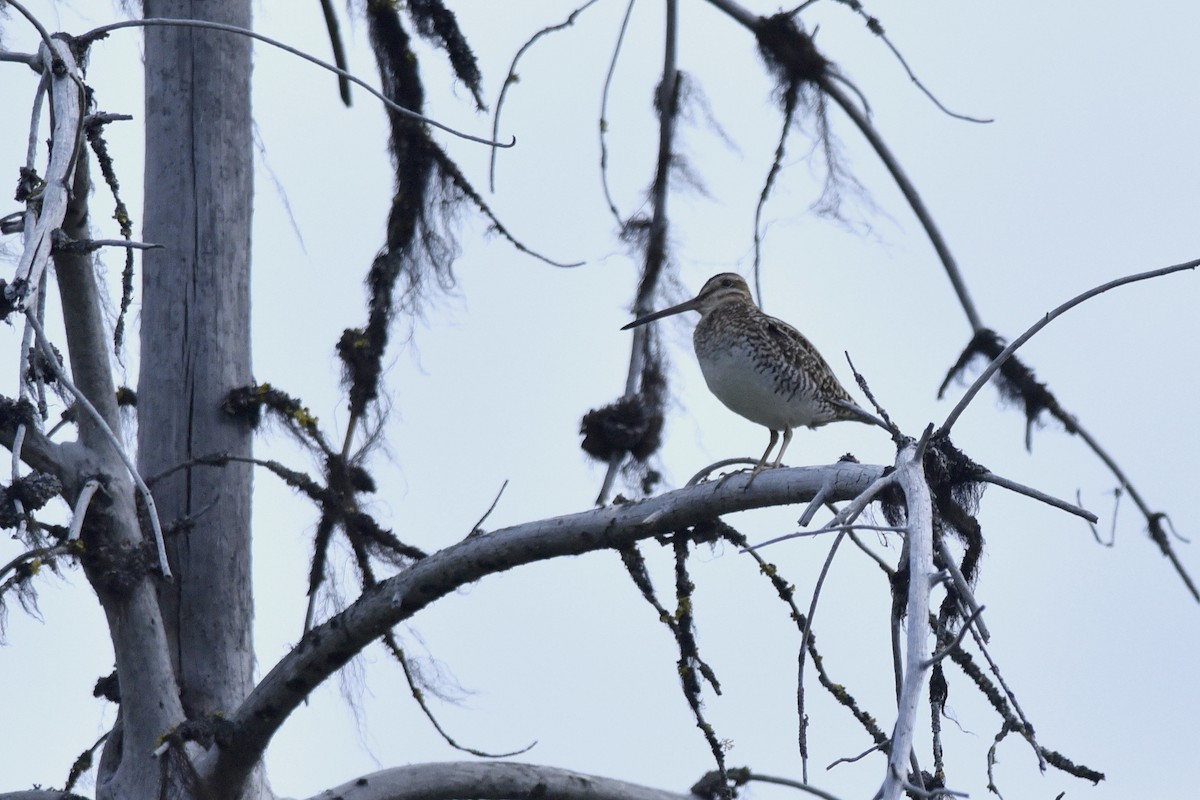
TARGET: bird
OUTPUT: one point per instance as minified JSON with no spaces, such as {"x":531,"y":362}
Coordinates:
{"x":761,"y":367}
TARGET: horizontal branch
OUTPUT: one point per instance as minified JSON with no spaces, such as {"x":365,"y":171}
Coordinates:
{"x":37,"y":451}
{"x":1029,"y":491}
{"x":491,"y":781}
{"x":329,"y":646}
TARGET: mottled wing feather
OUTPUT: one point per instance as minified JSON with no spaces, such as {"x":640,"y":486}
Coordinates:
{"x":799,"y":351}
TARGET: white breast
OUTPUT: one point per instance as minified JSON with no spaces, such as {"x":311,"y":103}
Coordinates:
{"x":752,"y":390}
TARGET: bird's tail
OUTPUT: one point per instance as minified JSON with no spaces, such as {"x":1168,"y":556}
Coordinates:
{"x":860,"y":414}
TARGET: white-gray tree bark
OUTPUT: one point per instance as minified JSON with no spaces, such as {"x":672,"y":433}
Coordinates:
{"x":195,"y":334}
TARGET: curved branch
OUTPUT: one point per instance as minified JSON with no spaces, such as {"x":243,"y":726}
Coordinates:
{"x":608,"y":79}
{"x":911,"y":196}
{"x":330,"y":645}
{"x":999,"y":360}
{"x":825,"y":82}
{"x":53,"y":197}
{"x":511,"y":78}
{"x":36,"y":23}
{"x":489,"y":781}
{"x":103,"y":30}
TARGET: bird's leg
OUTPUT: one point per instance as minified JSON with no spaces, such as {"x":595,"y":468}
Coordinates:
{"x":787,"y":439}
{"x":762,"y":462}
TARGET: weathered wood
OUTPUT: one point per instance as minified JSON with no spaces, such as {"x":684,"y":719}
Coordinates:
{"x":196,"y":338}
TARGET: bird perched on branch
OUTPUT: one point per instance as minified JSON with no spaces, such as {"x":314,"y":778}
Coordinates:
{"x":759,"y":366}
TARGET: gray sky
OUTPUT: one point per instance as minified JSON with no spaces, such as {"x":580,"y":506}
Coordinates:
{"x":1089,"y":172}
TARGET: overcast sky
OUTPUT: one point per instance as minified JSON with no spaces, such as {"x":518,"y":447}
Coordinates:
{"x":1088,"y":172}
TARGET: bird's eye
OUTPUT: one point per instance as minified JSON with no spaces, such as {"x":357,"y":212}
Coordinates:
{"x":727,"y":282}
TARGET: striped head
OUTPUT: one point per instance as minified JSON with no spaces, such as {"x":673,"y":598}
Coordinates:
{"x":720,"y":290}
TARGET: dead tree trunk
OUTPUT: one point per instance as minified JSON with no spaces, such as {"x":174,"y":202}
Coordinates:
{"x":195,"y":333}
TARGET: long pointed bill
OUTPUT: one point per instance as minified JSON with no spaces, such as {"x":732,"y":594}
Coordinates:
{"x":690,"y":305}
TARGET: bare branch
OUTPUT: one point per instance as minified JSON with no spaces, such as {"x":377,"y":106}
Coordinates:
{"x":949,"y":264}
{"x":667,"y":105}
{"x":999,"y":360}
{"x":29,"y":59}
{"x":910,"y":474}
{"x":488,"y":781}
{"x":339,"y":50}
{"x":804,"y":640}
{"x":1029,"y":491}
{"x":962,"y":589}
{"x":612,"y":68}
{"x":328,"y":646}
{"x":53,"y":194}
{"x":804,"y":787}
{"x":945,"y":651}
{"x":511,"y":78}
{"x":102,"y":426}
{"x":104,"y":30}
{"x":35,"y":22}
{"x":743,"y":16}
{"x":876,"y":27}
{"x":81,"y":507}
{"x":476,"y":528}
{"x":65,"y":244}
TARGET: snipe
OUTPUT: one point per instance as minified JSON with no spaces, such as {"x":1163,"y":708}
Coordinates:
{"x":759,"y":366}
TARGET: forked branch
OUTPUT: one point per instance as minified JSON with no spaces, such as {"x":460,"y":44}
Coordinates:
{"x":328,"y":646}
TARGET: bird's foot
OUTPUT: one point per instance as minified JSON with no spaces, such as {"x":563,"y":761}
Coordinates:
{"x":761,"y":467}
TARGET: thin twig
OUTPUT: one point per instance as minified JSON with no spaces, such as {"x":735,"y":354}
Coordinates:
{"x":725,"y":462}
{"x":852,"y":759}
{"x":61,"y":244}
{"x":339,"y":49}
{"x":999,"y":360}
{"x":840,"y":529}
{"x":804,"y":787}
{"x":962,"y":632}
{"x":1029,"y":491}
{"x":36,"y":554}
{"x":1026,"y":726}
{"x":413,"y":679}
{"x":742,"y":15}
{"x":812,"y":609}
{"x":874,"y":25}
{"x":887,"y":568}
{"x":36,"y":23}
{"x":1151,"y":516}
{"x":1112,"y":538}
{"x":962,"y":588}
{"x":102,"y":426}
{"x":791,"y":100}
{"x":511,"y":78}
{"x":475,"y":529}
{"x":846,"y":515}
{"x":608,"y":78}
{"x":96,"y":33}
